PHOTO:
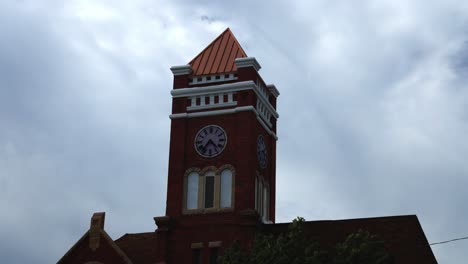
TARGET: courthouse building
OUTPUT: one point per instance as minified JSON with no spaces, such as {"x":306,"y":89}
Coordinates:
{"x":222,"y":175}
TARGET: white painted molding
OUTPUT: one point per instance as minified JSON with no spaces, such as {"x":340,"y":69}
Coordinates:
{"x":225,"y":112}
{"x":213,"y":78}
{"x":247,"y":62}
{"x":273,"y":90}
{"x":181,"y":70}
{"x":203,"y":107}
{"x":213,"y":113}
{"x":225,"y":88}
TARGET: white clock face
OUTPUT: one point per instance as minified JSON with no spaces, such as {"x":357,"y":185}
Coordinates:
{"x":261,"y":152}
{"x":210,"y":141}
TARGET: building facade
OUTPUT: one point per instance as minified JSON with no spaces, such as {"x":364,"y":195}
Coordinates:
{"x":222,"y":173}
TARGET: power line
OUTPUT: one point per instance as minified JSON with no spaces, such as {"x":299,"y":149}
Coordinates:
{"x":448,"y":241}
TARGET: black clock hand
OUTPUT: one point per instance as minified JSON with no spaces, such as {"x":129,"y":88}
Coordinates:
{"x":209,"y":142}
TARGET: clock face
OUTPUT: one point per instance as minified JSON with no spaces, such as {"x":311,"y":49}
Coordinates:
{"x":210,"y":141}
{"x":261,"y":152}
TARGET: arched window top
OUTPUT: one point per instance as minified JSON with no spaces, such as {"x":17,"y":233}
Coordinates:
{"x":209,"y":189}
{"x":192,"y":190}
{"x":209,"y":173}
{"x":209,"y":169}
{"x":226,"y":173}
{"x":192,"y":169}
{"x":227,"y":166}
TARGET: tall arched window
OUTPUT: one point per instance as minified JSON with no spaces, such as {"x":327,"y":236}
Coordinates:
{"x":226,"y":188}
{"x":192,"y":190}
{"x":262,"y":198}
{"x":209,"y":189}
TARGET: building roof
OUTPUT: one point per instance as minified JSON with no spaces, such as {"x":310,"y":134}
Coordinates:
{"x":402,"y":235}
{"x":141,"y":248}
{"x":219,"y":56}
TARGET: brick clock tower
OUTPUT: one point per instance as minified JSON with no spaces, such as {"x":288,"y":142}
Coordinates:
{"x":221,"y":179}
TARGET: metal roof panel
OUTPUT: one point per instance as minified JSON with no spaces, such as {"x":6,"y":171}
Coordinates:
{"x":218,"y":56}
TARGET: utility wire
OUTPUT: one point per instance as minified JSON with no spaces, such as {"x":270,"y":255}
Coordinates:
{"x":448,"y":241}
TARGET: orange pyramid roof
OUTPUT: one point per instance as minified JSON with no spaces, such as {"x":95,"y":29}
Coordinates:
{"x":219,"y":56}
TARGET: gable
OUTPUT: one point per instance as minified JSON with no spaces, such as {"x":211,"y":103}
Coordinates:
{"x":106,"y":252}
{"x":219,"y":56}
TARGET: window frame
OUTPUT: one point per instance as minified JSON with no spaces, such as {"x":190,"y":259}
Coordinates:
{"x":201,"y":190}
{"x":262,"y":198}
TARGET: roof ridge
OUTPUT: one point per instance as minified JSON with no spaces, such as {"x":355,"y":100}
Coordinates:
{"x":211,"y":43}
{"x":359,"y":218}
{"x":135,"y":234}
{"x":219,"y":56}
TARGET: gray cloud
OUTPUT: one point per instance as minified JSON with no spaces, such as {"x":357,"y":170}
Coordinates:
{"x":373,"y":111}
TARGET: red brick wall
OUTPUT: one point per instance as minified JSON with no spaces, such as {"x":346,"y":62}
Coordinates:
{"x":242,"y":130}
{"x":82,"y":253}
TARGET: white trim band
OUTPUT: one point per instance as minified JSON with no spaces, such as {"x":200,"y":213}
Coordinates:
{"x":247,"y":62}
{"x":224,"y":112}
{"x":225,"y":88}
{"x":212,"y":78}
{"x":181,"y":70}
{"x":273,"y":90}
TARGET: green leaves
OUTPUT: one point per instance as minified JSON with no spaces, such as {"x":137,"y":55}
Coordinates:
{"x":362,"y":248}
{"x":293,"y":247}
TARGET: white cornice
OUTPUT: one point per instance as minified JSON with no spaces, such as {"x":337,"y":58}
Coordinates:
{"x":224,"y":88}
{"x":203,"y":107}
{"x":181,"y":70}
{"x":273,"y":90}
{"x":247,"y":62}
{"x":225,"y":112}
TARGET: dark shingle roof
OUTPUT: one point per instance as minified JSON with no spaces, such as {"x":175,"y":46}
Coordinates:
{"x":140,"y":248}
{"x":402,"y":235}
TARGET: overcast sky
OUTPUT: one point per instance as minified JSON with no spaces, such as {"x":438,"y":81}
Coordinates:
{"x":373,"y":111}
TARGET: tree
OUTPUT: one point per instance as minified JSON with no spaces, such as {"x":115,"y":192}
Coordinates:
{"x":293,"y":247}
{"x":361,"y":248}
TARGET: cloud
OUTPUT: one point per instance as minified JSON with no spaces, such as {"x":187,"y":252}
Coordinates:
{"x":373,"y":111}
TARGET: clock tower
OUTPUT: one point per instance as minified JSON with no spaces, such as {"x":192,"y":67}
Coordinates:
{"x":222,"y":158}
{"x":222,"y":175}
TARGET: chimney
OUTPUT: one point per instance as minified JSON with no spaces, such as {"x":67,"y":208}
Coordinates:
{"x":97,"y":225}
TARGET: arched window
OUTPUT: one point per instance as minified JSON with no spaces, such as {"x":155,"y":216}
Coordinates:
{"x":210,"y":189}
{"x":262,"y":198}
{"x":226,"y":188}
{"x":192,"y":190}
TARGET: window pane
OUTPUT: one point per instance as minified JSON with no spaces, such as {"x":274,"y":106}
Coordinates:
{"x":265,"y":203}
{"x":192,"y":191}
{"x":214,"y":256}
{"x":260,"y":197}
{"x":226,"y":188}
{"x":256,"y":193}
{"x":196,"y":256}
{"x":209,"y":191}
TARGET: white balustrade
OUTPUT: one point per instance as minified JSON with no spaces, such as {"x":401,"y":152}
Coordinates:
{"x":213,"y":78}
{"x":199,"y":102}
